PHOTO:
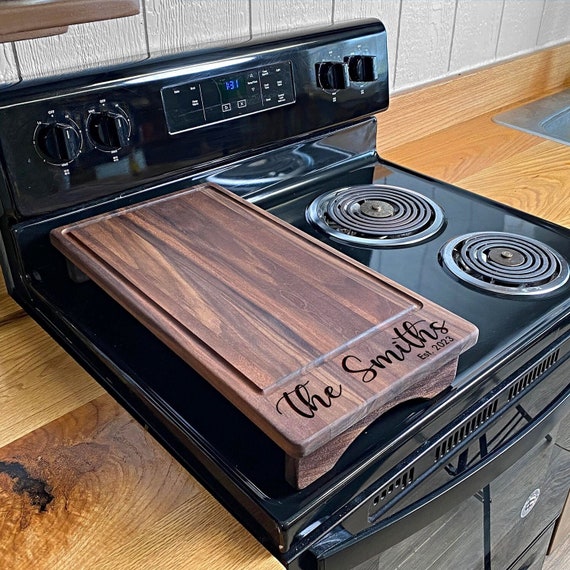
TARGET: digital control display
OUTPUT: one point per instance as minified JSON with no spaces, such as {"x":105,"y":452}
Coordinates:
{"x":231,"y":84}
{"x":211,"y":100}
{"x":232,"y":88}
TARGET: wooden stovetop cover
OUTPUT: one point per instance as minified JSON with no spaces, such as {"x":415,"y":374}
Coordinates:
{"x":302,"y":339}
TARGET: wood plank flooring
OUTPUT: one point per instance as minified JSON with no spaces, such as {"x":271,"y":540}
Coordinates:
{"x":560,"y":558}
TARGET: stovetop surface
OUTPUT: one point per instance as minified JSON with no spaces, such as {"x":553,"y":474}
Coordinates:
{"x":506,"y":323}
{"x":507,"y":326}
{"x":502,"y":319}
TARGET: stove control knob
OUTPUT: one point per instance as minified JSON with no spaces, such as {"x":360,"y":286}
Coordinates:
{"x":362,"y":68}
{"x":58,"y":142}
{"x":109,"y":129}
{"x":332,"y":75}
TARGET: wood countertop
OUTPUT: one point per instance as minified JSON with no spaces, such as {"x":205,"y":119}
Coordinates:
{"x":82,"y":485}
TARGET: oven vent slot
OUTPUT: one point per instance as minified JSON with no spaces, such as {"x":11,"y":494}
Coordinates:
{"x":466,"y":429}
{"x":537,"y":370}
{"x":394,"y":487}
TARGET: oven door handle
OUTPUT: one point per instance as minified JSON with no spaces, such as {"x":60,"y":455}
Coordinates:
{"x":358,"y":548}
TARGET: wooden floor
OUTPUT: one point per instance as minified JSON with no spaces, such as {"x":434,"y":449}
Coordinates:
{"x":560,"y":558}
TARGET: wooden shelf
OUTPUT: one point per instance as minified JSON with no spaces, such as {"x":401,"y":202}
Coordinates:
{"x":26,"y":19}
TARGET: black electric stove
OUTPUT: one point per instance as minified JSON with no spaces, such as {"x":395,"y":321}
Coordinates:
{"x":287,"y":123}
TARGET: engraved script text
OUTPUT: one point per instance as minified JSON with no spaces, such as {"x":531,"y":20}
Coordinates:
{"x":302,"y":402}
{"x":409,"y":337}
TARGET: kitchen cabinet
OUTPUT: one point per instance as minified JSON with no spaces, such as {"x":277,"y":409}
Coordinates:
{"x":25,"y":19}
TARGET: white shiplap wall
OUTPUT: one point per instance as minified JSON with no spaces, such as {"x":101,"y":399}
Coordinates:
{"x":181,"y":25}
{"x":475,"y":34}
{"x":8,"y":68}
{"x":427,"y":39}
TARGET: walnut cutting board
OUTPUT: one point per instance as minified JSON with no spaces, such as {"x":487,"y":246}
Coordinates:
{"x":303,"y":340}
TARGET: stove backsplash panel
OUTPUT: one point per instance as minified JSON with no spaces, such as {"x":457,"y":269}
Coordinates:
{"x":81,"y":139}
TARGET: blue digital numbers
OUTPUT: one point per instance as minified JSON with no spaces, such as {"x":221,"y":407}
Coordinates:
{"x":232,"y":84}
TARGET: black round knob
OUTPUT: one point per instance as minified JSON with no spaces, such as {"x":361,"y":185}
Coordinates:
{"x":332,"y":75}
{"x":108,"y":130}
{"x":362,"y":68}
{"x":58,"y":142}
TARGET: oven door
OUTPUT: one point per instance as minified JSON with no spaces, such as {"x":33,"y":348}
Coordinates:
{"x":491,"y":516}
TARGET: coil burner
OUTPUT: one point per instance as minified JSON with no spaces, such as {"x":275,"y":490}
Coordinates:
{"x":505,"y":263}
{"x":376,"y":215}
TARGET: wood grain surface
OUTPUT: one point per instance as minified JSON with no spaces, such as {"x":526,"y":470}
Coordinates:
{"x":19,"y":17}
{"x":524,"y":171}
{"x":281,"y":325}
{"x":39,"y":380}
{"x":8,"y":308}
{"x":67,"y":489}
{"x":44,"y":32}
{"x":416,"y":114}
{"x":191,"y":530}
{"x":301,"y":471}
